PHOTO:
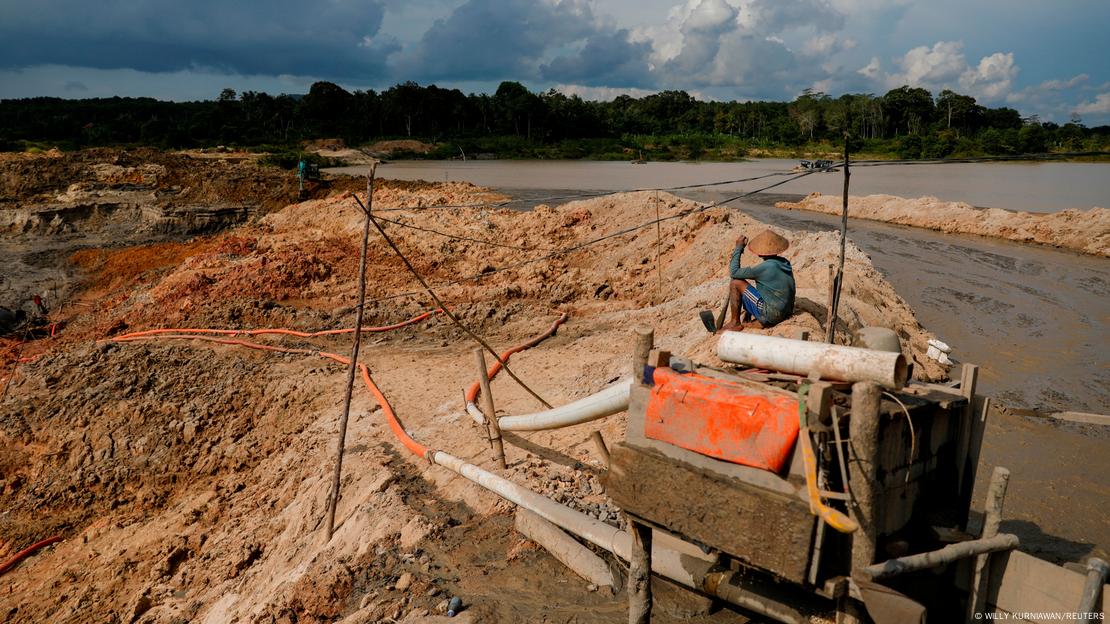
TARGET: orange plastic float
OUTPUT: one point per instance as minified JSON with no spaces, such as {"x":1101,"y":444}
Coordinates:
{"x":721,"y":419}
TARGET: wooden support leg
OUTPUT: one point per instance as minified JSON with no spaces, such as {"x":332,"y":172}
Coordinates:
{"x":645,"y":340}
{"x":969,"y":377}
{"x":491,"y":416}
{"x":992,"y":518}
{"x":639,"y":574}
{"x":602,"y":449}
{"x":863,"y":428}
{"x":850,"y":611}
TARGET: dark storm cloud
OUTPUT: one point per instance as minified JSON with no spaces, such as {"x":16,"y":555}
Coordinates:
{"x":609,"y":60}
{"x":508,"y":39}
{"x":328,"y":38}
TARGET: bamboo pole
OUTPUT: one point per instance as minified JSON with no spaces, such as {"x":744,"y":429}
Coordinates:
{"x":333,"y":496}
{"x":992,"y":519}
{"x":492,"y":427}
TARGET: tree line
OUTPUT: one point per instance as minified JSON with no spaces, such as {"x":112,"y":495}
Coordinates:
{"x":906,"y":122}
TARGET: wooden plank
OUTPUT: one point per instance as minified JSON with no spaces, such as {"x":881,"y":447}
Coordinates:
{"x":581,"y":560}
{"x":1082,"y":417}
{"x":766,"y":529}
{"x":1024,"y":584}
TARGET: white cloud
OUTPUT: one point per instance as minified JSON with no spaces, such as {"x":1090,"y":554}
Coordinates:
{"x":925,"y":66}
{"x":826,"y":44}
{"x":1060,"y":85}
{"x":943,"y":66}
{"x":993,"y":76}
{"x":872,"y":70}
{"x":601,"y":93}
{"x":855,"y":7}
{"x":1100,"y":105}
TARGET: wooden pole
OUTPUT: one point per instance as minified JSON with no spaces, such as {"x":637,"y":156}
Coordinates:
{"x":830,"y":321}
{"x":863,"y":432}
{"x":658,"y":252}
{"x":969,"y":377}
{"x":581,"y":560}
{"x":992,"y":519}
{"x":602,"y":449}
{"x":935,"y":558}
{"x":830,"y":331}
{"x":639,"y":574}
{"x":1097,"y":569}
{"x":333,"y":496}
{"x":492,"y":426}
{"x":645,"y":340}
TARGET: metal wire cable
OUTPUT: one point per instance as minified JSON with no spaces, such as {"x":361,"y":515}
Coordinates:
{"x":600,"y":239}
{"x":594,"y":194}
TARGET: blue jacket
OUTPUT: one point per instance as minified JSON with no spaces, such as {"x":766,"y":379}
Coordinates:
{"x":774,"y":279}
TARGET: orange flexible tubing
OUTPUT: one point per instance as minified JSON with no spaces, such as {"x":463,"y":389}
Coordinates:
{"x":472,"y":391}
{"x":394,"y":424}
{"x":281,"y":331}
{"x":27,"y":552}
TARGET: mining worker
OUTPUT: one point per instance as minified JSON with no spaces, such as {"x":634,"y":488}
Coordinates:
{"x":771,"y":299}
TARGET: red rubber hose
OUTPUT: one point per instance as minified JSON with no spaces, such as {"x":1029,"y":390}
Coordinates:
{"x":27,"y":552}
{"x":280,"y":331}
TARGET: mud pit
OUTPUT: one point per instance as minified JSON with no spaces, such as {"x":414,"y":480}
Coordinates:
{"x":189,"y":479}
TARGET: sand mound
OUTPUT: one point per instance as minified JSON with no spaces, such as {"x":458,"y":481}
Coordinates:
{"x":1086,"y":231}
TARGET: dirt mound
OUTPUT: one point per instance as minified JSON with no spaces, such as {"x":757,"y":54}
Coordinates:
{"x":189,"y":479}
{"x":389,"y":148}
{"x":1086,"y":231}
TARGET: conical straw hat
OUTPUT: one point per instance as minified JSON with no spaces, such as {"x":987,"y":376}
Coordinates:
{"x":767,"y":243}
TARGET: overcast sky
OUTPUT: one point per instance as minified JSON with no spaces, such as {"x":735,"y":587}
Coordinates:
{"x":1045,"y":58}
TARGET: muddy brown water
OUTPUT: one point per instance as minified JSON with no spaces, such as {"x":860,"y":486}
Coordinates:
{"x":1037,"y":187}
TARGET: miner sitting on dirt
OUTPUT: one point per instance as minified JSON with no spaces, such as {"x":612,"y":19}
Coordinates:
{"x":771,"y":300}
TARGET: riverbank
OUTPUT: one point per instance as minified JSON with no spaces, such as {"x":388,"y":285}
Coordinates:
{"x":1086,"y":231}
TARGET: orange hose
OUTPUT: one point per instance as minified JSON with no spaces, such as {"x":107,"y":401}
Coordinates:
{"x":472,"y":392}
{"x":27,"y":552}
{"x":391,"y":416}
{"x":281,"y":331}
{"x":239,"y":343}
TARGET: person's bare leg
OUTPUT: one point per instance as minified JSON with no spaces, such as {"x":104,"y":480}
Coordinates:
{"x":737,"y":287}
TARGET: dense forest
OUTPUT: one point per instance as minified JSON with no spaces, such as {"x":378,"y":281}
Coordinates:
{"x":906,"y":122}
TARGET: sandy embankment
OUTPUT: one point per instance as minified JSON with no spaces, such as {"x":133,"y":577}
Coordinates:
{"x":188,"y":478}
{"x":1086,"y":231}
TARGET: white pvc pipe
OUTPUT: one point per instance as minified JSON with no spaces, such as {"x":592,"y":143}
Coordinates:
{"x":801,"y":357}
{"x":609,"y":401}
{"x":594,"y":531}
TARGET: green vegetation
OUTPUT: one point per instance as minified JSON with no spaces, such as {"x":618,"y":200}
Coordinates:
{"x":516,"y":123}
